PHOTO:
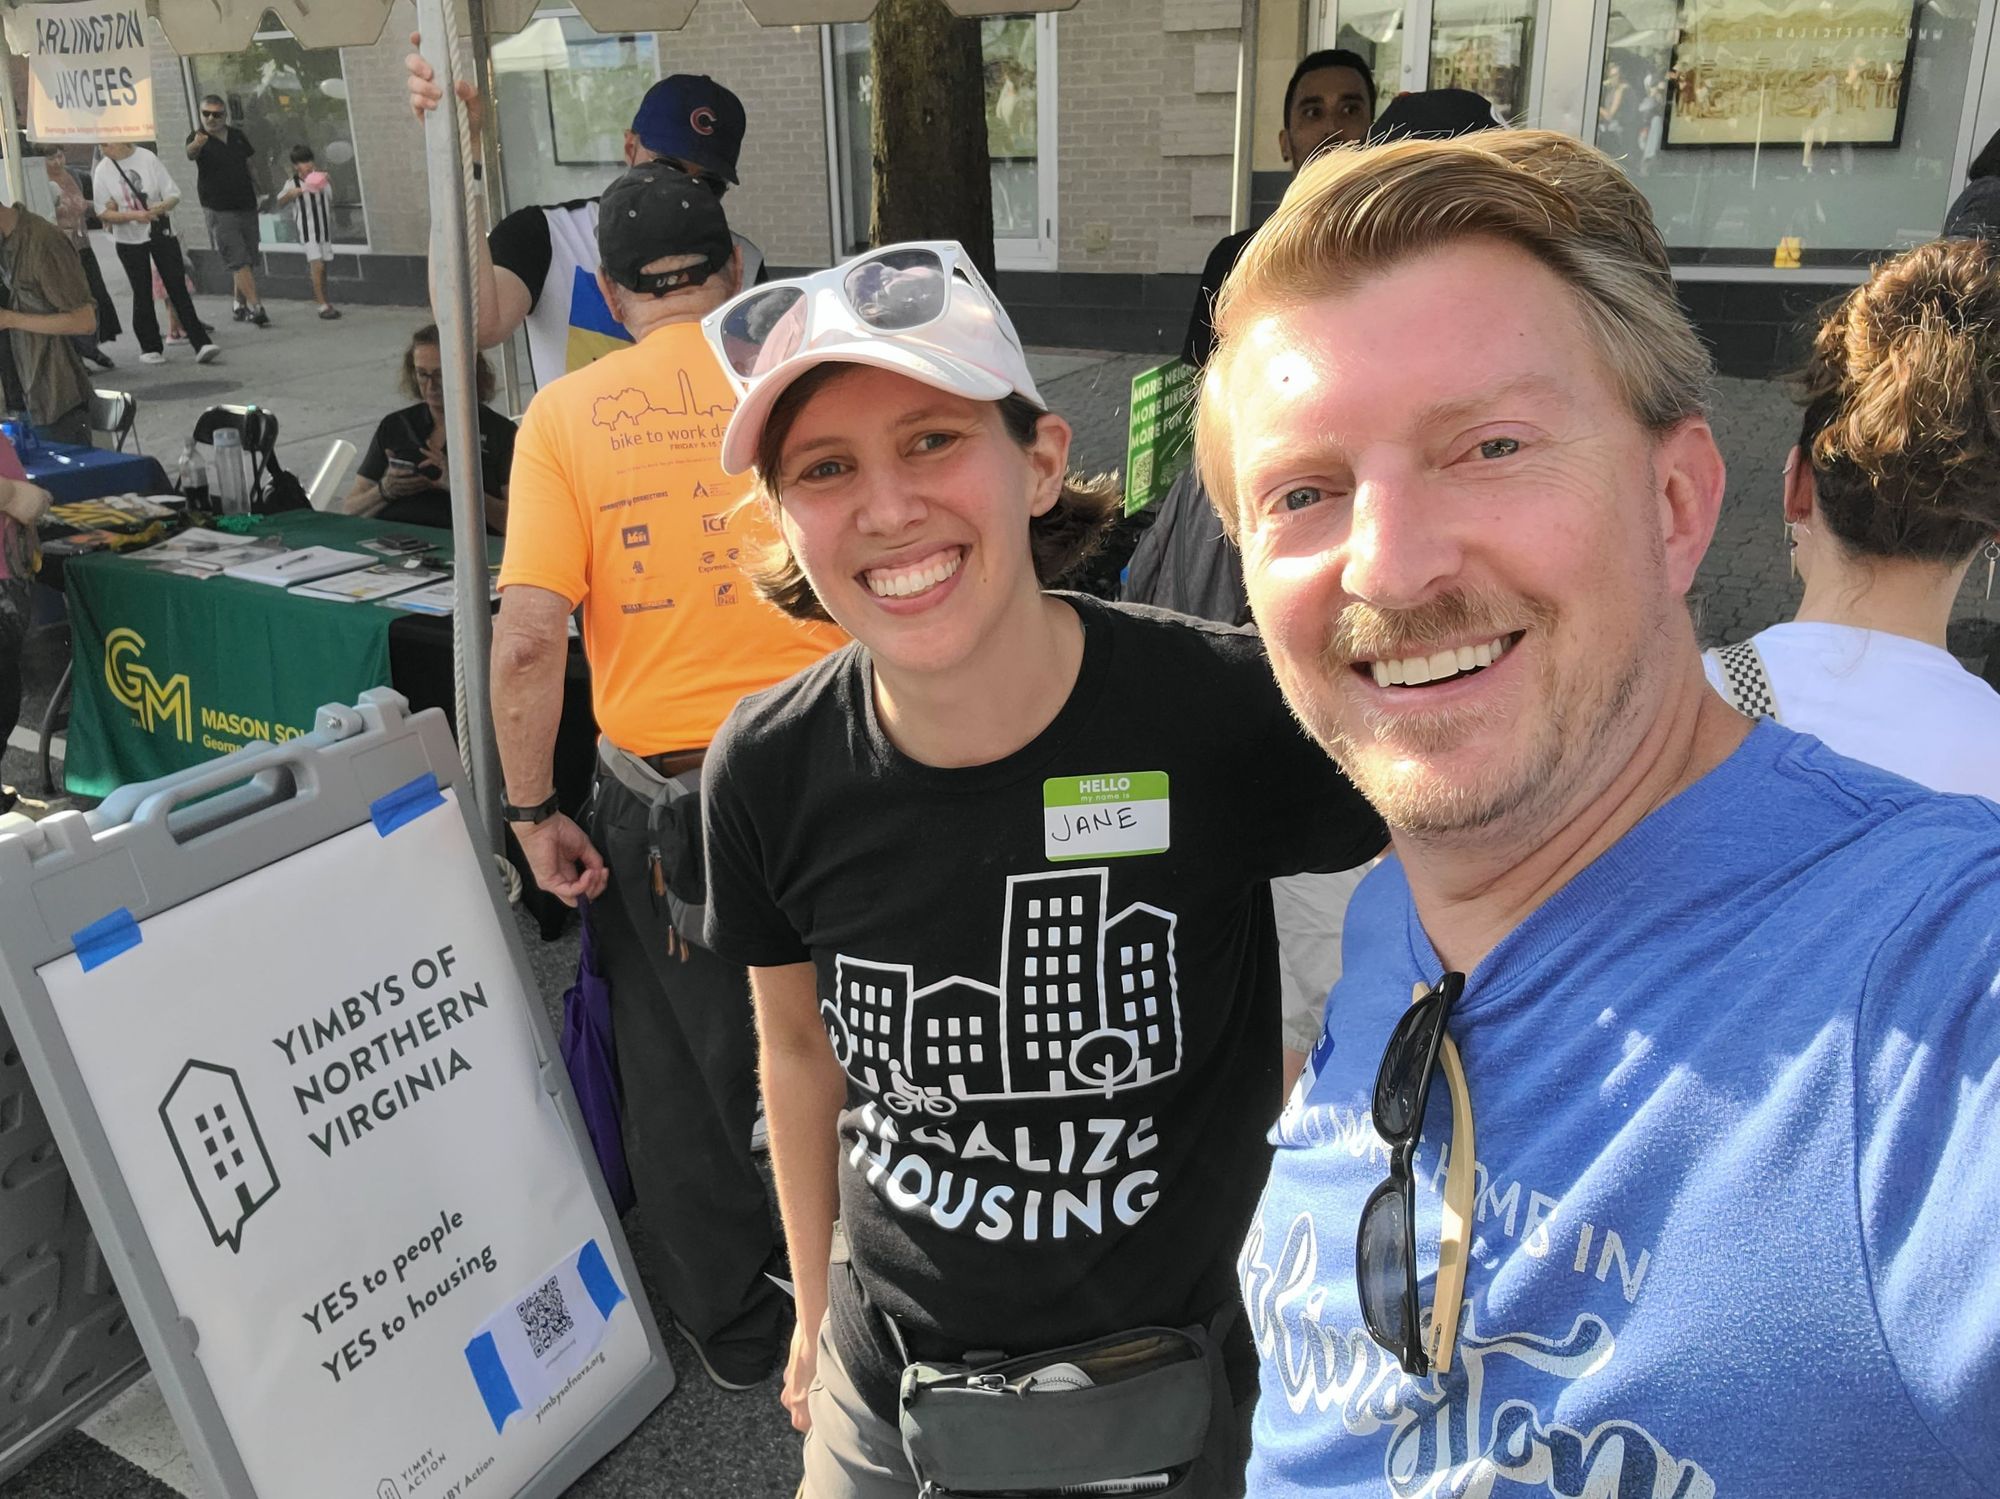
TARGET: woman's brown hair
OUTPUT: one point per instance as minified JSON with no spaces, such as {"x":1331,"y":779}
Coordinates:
{"x":1902,"y":398}
{"x":426,"y":337}
{"x":1061,"y":540}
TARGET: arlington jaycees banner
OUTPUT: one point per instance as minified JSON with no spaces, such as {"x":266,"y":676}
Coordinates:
{"x":90,"y":73}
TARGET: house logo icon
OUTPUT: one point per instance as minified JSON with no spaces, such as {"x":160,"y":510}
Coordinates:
{"x":220,"y":1149}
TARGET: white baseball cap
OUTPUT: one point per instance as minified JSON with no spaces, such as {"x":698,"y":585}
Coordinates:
{"x":918,"y":309}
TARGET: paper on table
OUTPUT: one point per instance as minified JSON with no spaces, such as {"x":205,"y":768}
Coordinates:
{"x":377,"y":582}
{"x":301,"y":566}
{"x":439,"y":598}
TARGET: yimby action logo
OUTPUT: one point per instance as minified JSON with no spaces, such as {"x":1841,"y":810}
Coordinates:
{"x":133,"y":683}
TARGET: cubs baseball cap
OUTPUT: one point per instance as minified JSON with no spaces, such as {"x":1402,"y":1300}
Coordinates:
{"x":919,"y":309}
{"x":1434,"y":114}
{"x":692,"y":118}
{"x":653,"y":211}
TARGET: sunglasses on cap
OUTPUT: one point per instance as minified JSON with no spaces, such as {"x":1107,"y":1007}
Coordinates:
{"x":1385,"y":1245}
{"x":895,"y":290}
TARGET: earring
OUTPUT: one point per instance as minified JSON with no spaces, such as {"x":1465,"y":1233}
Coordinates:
{"x":1992,"y":557}
{"x":1792,"y":547}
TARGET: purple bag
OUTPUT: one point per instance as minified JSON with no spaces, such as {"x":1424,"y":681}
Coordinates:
{"x":590,"y":1054}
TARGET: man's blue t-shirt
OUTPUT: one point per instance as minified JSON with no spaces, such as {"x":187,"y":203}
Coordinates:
{"x":1737,"y":1122}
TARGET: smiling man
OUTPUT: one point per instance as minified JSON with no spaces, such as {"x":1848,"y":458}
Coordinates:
{"x":1726,"y":1002}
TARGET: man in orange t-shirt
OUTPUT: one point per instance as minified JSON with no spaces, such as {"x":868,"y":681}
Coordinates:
{"x":618,"y":504}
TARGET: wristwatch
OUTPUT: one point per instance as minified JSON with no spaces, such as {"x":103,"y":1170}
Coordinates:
{"x":541,"y":811}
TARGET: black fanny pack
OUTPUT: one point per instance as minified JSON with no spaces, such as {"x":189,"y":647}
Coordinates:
{"x":1129,"y":1413}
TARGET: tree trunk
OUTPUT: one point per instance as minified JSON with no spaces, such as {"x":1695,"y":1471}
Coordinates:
{"x":928,"y":139}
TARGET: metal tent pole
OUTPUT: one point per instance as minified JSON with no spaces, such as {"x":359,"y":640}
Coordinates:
{"x":1246,"y":119}
{"x":493,"y":155}
{"x":445,"y":151}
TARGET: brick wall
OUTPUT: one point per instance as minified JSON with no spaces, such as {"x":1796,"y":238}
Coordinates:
{"x":1146,"y":119}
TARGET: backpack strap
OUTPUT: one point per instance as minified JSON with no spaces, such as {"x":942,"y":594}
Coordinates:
{"x":1745,"y":683}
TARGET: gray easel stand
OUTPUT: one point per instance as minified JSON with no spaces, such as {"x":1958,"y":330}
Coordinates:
{"x":145,"y":849}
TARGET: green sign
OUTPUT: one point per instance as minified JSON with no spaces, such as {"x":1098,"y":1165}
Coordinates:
{"x":1161,"y":443}
{"x":171,"y":671}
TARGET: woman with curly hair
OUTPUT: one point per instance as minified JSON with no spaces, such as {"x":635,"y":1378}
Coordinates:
{"x":1891,"y":495}
{"x":403,"y":477}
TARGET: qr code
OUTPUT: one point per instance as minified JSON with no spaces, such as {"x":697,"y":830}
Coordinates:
{"x":544,"y":1317}
{"x":1142,"y":472}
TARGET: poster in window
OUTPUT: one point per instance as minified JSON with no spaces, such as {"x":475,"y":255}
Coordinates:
{"x":1484,"y":56}
{"x":593,"y":99}
{"x":1790,"y":72}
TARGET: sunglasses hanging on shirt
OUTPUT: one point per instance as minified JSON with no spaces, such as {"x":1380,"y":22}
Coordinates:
{"x":1385,"y":1247}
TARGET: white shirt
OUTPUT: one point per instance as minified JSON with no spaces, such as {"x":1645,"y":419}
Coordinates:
{"x":571,"y":326}
{"x":111,"y":191}
{"x":1886,"y":700}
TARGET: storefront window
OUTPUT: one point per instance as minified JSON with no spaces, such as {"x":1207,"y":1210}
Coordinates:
{"x":1787,"y":132}
{"x":566,"y":97}
{"x":1487,"y":46}
{"x":1010,"y":46}
{"x":1373,"y":29}
{"x":283,"y":95}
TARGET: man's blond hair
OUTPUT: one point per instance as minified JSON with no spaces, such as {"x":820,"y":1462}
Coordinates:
{"x":1353,"y":214}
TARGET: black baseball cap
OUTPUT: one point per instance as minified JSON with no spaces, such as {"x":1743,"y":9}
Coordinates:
{"x":653,"y":211}
{"x":1434,"y":114}
{"x":692,"y":118}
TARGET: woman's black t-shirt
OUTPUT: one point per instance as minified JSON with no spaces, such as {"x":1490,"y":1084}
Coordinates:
{"x":1052,"y":980}
{"x":405,"y":433}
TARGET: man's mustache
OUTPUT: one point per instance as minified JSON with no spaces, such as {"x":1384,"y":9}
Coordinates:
{"x":1362,"y":632}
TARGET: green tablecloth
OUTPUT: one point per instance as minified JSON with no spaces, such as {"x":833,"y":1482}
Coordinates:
{"x":171,"y":671}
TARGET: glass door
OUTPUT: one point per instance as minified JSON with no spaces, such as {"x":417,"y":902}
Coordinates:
{"x":1492,"y":47}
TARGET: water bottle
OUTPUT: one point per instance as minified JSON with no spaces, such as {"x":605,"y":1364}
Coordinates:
{"x":231,"y":478}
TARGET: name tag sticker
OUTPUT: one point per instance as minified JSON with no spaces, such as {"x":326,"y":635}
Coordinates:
{"x":1105,"y":816}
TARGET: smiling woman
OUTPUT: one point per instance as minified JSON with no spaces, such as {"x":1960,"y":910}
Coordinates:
{"x":999,"y":869}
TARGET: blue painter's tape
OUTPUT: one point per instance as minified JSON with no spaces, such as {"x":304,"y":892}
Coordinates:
{"x":405,"y":804}
{"x":596,"y":1278}
{"x":495,"y":1388}
{"x":105,"y":938}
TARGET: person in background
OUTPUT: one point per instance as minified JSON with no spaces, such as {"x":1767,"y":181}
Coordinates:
{"x":227,"y":186}
{"x":538,"y":268}
{"x":21,"y":505}
{"x":403,"y":477}
{"x":1329,"y":101}
{"x":621,"y":509}
{"x":1975,"y":212}
{"x":1435,"y":114}
{"x":1891,"y":494}
{"x":48,"y":301}
{"x":71,"y":214}
{"x":134,"y":196}
{"x":310,"y":193}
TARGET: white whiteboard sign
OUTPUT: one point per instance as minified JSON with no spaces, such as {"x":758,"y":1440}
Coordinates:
{"x":90,"y":72}
{"x":321,"y":1087}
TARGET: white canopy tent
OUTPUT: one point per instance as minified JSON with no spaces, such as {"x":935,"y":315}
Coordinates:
{"x":195,"y":27}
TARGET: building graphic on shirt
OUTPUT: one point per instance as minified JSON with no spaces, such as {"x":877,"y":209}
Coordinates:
{"x":634,"y":405}
{"x":1085,"y":1006}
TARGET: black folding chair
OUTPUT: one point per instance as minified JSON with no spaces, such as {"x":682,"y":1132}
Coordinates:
{"x":114,"y":414}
